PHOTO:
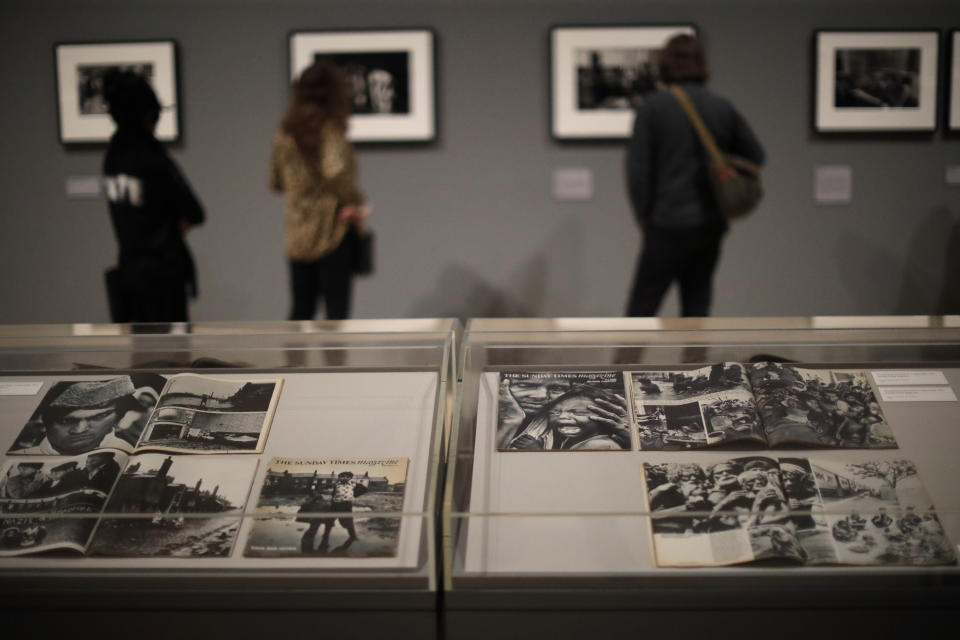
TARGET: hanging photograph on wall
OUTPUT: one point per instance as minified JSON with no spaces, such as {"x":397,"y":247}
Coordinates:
{"x":875,"y":81}
{"x":953,"y":88}
{"x":82,"y":69}
{"x":390,"y":76}
{"x":599,"y":75}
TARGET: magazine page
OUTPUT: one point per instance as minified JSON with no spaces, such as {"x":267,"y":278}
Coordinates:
{"x":315,"y":507}
{"x":722,"y":513}
{"x":35,"y":491}
{"x":77,"y":416}
{"x":819,"y":407}
{"x":865,"y":513}
{"x":177,"y":506}
{"x":202,"y":414}
{"x":562,"y":411}
{"x":707,"y":407}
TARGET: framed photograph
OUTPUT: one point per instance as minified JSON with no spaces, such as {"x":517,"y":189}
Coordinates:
{"x":953,"y":83}
{"x":390,"y":75}
{"x":600,"y":74}
{"x":81,"y":68}
{"x":875,"y":81}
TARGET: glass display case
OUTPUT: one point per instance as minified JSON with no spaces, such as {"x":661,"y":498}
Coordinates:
{"x":648,"y":529}
{"x":260,"y":472}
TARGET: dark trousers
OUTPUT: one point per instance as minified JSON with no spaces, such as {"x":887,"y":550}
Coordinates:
{"x":329,"y":278}
{"x":137,"y":298}
{"x":686,"y":256}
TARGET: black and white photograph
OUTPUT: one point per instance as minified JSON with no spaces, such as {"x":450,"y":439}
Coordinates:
{"x":599,"y":75}
{"x":876,"y":80}
{"x":389,"y":76}
{"x":201,"y":414}
{"x":562,"y":411}
{"x":329,"y":508}
{"x":819,"y":407}
{"x":873,"y":513}
{"x":953,"y":83}
{"x":694,"y":409}
{"x":35,"y":494}
{"x":741,"y":501}
{"x":379,"y":83}
{"x":77,"y":416}
{"x":91,"y":83}
{"x":669,"y":427}
{"x":615,"y":78}
{"x":82,"y":69}
{"x":177,"y":506}
{"x":682,"y":385}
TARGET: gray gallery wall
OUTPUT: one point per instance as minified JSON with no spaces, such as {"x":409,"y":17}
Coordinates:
{"x":467,"y":226}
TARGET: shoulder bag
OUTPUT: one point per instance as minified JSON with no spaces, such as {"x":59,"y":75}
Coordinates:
{"x":735,"y":181}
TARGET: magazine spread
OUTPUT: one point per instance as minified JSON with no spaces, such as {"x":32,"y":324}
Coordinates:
{"x":805,"y":510}
{"x":315,"y":507}
{"x":186,"y":413}
{"x":164,"y":505}
{"x":764,"y":404}
{"x":562,"y":411}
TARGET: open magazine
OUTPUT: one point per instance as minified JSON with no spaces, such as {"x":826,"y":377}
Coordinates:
{"x":159,"y":505}
{"x":805,"y":510}
{"x":766,"y":404}
{"x":185,"y":413}
{"x":316,"y":507}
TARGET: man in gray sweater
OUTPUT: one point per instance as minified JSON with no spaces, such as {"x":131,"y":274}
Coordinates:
{"x":669,"y":188}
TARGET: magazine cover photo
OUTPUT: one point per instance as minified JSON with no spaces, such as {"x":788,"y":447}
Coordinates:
{"x":175,"y":505}
{"x":329,"y":507}
{"x":562,"y":411}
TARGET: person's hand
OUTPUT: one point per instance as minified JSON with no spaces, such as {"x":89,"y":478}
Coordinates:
{"x":356,"y":215}
{"x":614,"y":414}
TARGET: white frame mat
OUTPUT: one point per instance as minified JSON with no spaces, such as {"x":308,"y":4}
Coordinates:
{"x":76,"y":127}
{"x":828,"y":118}
{"x":417,"y":126}
{"x":567,"y":120}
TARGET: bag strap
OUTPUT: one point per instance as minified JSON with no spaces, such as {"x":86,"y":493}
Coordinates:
{"x":705,"y":137}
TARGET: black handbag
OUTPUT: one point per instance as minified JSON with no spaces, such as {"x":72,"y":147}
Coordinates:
{"x":361,"y":251}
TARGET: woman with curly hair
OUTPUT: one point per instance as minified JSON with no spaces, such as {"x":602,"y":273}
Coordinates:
{"x":313,"y":164}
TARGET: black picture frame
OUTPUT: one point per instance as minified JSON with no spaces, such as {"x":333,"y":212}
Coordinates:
{"x":598,"y":74}
{"x":82,"y":116}
{"x":393,"y":72}
{"x":875,"y":81}
{"x":953,"y":81}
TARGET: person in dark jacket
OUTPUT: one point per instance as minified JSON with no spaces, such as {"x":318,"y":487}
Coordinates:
{"x":151,"y":207}
{"x":667,"y":178}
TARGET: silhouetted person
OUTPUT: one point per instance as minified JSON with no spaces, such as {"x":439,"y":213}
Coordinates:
{"x":667,"y":178}
{"x":313,"y":164}
{"x":151,"y":206}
